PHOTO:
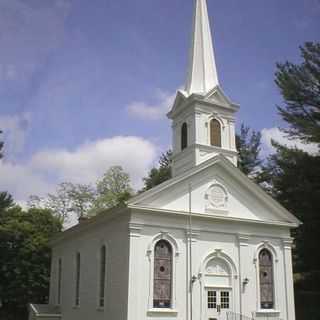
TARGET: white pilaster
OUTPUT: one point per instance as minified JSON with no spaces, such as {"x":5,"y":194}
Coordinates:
{"x":287,"y":247}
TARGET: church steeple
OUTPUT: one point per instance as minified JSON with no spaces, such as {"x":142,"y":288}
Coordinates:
{"x":203,"y":117}
{"x":202,"y":71}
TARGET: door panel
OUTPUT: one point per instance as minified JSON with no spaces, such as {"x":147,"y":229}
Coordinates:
{"x":218,"y":303}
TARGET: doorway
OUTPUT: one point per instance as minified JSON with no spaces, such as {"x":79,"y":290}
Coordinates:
{"x":218,"y":303}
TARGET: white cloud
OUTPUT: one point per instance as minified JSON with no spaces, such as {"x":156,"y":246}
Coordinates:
{"x":277,"y":135}
{"x":156,"y":111}
{"x":85,"y":164}
{"x":14,"y":131}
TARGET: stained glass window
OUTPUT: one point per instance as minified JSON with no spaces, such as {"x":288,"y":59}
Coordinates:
{"x":266,"y":279}
{"x":162,"y":275}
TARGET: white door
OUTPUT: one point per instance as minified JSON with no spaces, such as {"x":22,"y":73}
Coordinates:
{"x":218,"y":304}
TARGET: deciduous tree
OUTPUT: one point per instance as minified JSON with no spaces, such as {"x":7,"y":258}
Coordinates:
{"x":24,"y":258}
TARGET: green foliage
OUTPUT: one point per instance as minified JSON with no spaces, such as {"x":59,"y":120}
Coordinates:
{"x":68,"y":198}
{"x":24,"y":258}
{"x":299,"y":85}
{"x":248,"y":145}
{"x":159,"y":174}
{"x":113,"y":190}
{"x":293,"y":178}
{"x":6,"y":201}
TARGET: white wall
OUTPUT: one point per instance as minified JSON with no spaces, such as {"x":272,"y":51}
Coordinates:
{"x":114,"y":234}
{"x":239,"y":241}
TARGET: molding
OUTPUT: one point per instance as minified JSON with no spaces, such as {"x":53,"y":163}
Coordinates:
{"x":96,"y":221}
{"x":243,"y":239}
{"x":287,"y":243}
{"x":236,"y":174}
{"x":135,"y":230}
{"x":162,"y":311}
{"x":211,"y":216}
{"x":194,"y":235}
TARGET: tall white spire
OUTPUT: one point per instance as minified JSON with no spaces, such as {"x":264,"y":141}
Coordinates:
{"x":202,"y":71}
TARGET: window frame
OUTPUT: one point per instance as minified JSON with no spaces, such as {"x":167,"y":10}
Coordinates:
{"x":169,"y":257}
{"x":77,"y":279}
{"x":59,"y":281}
{"x":275,"y":260}
{"x":175,"y":256}
{"x":272,"y":283}
{"x":184,"y":136}
{"x":101,"y":287}
{"x":211,"y":121}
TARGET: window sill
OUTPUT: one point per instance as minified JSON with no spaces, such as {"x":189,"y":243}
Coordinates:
{"x":101,"y":309}
{"x":166,"y":311}
{"x":269,"y":312}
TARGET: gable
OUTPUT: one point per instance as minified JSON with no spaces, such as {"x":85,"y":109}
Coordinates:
{"x":217,"y":189}
{"x":218,"y":97}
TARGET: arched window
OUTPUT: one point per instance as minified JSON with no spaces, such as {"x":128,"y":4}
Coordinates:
{"x":184,"y":136}
{"x":77,"y":293}
{"x":102,"y":279}
{"x":59,"y":280}
{"x":266,"y":279}
{"x":215,"y":133}
{"x":162,"y":285}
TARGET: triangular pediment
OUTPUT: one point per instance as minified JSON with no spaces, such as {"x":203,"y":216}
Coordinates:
{"x":218,"y":189}
{"x":218,"y":97}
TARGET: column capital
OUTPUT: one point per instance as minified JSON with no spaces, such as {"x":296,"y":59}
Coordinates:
{"x":287,"y":243}
{"x":243,"y":239}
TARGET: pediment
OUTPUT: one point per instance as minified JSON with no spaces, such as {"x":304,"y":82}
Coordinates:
{"x":218,"y":97}
{"x":217,"y":189}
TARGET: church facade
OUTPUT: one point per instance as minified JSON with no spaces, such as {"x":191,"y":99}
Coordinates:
{"x":208,"y":244}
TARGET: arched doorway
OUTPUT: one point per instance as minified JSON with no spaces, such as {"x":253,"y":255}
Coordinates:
{"x":217,"y":289}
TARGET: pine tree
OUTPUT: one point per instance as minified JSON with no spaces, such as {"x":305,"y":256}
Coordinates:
{"x":299,"y":85}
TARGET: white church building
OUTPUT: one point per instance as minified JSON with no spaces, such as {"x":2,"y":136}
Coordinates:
{"x":208,"y":244}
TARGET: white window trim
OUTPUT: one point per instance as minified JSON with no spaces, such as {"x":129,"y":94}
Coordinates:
{"x":175,"y":256}
{"x":222,"y":133}
{"x":268,"y":246}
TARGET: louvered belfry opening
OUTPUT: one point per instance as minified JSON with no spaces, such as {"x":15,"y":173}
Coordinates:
{"x":162,"y":275}
{"x":184,"y":136}
{"x":266,"y":279}
{"x":215,"y":133}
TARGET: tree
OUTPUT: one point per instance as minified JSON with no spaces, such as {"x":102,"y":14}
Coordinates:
{"x":1,"y":146}
{"x":159,"y":174}
{"x":6,"y":201}
{"x":81,"y":197}
{"x":248,"y":144}
{"x":24,"y":258}
{"x":69,"y":198}
{"x":299,"y":85}
{"x":293,"y":178}
{"x":113,"y":190}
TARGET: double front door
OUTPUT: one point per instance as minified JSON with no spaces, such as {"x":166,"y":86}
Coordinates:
{"x":218,"y":303}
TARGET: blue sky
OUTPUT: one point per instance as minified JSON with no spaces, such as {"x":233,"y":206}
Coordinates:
{"x":86,"y":84}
